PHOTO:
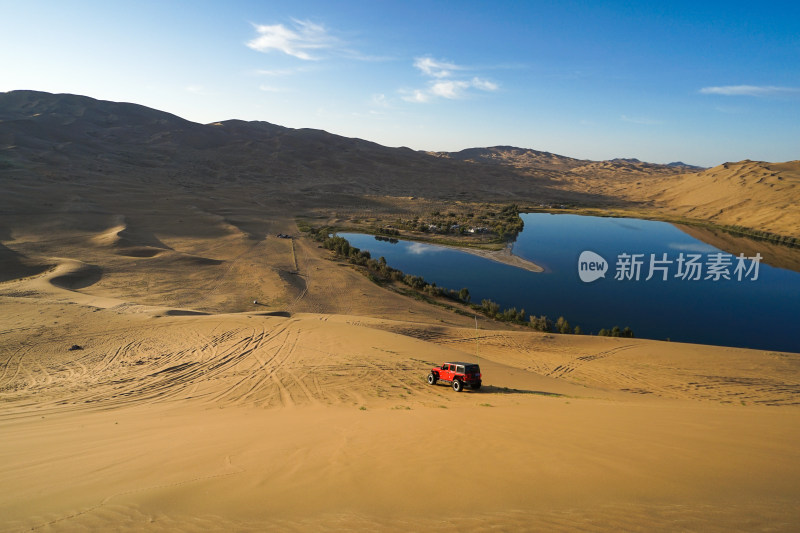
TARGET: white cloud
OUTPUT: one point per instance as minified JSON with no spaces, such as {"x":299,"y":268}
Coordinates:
{"x":750,"y":90}
{"x":434,"y":68}
{"x":484,"y":85}
{"x":304,"y":40}
{"x":640,"y":120}
{"x":451,"y":89}
{"x":448,"y":89}
{"x":301,"y":41}
{"x":446,"y":82}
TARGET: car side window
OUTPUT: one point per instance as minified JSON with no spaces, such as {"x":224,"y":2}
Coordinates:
{"x":460,"y":369}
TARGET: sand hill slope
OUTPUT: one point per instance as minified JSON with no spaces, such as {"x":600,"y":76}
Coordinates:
{"x":748,"y":193}
{"x":168,"y":364}
{"x":187,"y":406}
{"x":45,"y":137}
{"x":88,"y":139}
{"x":172,"y":419}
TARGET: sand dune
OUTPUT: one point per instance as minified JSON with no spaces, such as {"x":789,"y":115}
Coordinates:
{"x":245,"y":422}
{"x":47,"y":136}
{"x":126,"y":243}
{"x":753,"y":194}
{"x":183,"y":418}
{"x":167,"y":363}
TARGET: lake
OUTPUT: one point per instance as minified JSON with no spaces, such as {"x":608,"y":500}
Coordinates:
{"x":754,"y":313}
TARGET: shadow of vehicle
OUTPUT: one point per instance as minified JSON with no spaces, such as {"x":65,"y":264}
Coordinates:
{"x":492,"y":389}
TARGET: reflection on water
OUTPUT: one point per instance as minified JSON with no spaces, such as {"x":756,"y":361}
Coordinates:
{"x":775,"y":255}
{"x":699,"y":247}
{"x":756,"y":314}
{"x":418,"y":248}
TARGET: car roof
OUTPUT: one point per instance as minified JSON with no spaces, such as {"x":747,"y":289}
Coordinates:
{"x":457,"y":363}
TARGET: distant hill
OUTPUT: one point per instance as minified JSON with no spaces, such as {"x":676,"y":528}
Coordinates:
{"x":685,"y":166}
{"x":87,"y":138}
{"x":92,"y":143}
{"x":513,"y":156}
{"x":37,"y":126}
{"x":533,"y":160}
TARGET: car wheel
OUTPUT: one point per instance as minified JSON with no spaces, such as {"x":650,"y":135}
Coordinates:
{"x":457,"y":386}
{"x":431,"y":379}
{"x":476,"y":387}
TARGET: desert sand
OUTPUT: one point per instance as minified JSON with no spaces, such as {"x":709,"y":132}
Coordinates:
{"x":313,"y":413}
{"x":188,"y":407}
{"x":752,"y":194}
{"x":504,"y":255}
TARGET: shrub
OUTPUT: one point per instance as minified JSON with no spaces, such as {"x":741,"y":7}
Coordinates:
{"x":541,"y":323}
{"x":415,"y":282}
{"x":490,"y":308}
{"x":616,"y":332}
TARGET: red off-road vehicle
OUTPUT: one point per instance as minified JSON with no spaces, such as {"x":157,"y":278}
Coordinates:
{"x":459,"y":374}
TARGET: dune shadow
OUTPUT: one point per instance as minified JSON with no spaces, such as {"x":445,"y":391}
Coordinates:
{"x":285,"y":314}
{"x":14,"y":265}
{"x":79,"y":279}
{"x":140,"y":251}
{"x":254,"y":229}
{"x":130,"y":237}
{"x":5,"y":233}
{"x":293,"y":279}
{"x":182,"y":312}
{"x":491,"y":389}
{"x":130,"y":240}
{"x":194,"y":260}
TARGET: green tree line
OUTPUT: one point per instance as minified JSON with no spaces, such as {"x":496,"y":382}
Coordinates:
{"x":380,"y":272}
{"x":504,"y":222}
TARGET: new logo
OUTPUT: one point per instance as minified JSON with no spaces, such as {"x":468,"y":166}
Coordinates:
{"x":591,"y":266}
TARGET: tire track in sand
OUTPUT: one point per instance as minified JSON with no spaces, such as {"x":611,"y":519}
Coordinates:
{"x":571,"y":366}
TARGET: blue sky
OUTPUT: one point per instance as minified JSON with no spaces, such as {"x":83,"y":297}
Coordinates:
{"x":701,"y":82}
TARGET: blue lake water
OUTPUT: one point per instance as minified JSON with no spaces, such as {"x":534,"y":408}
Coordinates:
{"x":761,"y":313}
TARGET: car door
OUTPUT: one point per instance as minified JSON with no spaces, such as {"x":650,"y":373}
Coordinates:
{"x":446,"y":374}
